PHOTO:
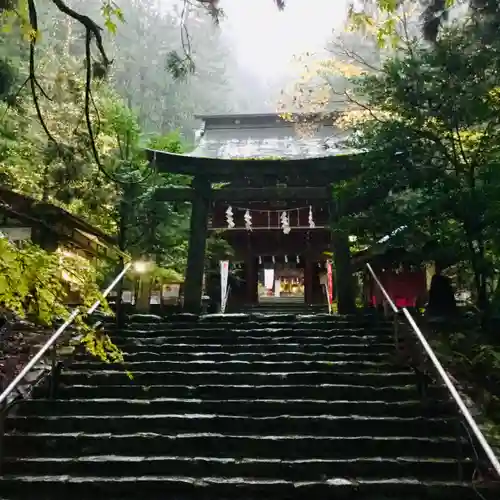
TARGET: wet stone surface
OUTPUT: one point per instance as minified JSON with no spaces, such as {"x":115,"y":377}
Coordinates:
{"x":240,"y":407}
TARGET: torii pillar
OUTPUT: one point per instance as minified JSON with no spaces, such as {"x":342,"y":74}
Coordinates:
{"x":200,"y":208}
{"x":344,"y":284}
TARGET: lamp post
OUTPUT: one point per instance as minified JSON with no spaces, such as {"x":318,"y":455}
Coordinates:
{"x":142,"y":268}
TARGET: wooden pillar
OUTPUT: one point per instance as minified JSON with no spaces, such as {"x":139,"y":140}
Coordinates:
{"x":343,"y":284}
{"x":193,"y":287}
{"x":308,"y":280}
{"x":251,"y":279}
{"x":308,"y":272}
{"x":144,"y":293}
{"x":251,"y":273}
{"x":343,"y":274}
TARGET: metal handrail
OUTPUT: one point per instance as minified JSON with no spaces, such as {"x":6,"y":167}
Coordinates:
{"x":444,"y":376}
{"x":22,"y":374}
{"x":382,"y":289}
{"x":226,"y":298}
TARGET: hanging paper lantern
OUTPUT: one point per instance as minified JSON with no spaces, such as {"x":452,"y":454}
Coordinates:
{"x":274,"y":260}
{"x":286,"y":259}
{"x":285,"y":223}
{"x":260,"y":259}
{"x":312,"y":224}
{"x":229,"y":218}
{"x":248,"y":220}
{"x":297,"y":259}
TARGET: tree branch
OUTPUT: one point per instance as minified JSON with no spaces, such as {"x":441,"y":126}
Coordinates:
{"x":90,"y":26}
{"x":33,"y":17}
{"x":362,"y":106}
{"x":353,"y":55}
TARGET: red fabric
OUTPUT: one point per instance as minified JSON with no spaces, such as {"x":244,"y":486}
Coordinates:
{"x":404,"y":288}
{"x":330,"y":281}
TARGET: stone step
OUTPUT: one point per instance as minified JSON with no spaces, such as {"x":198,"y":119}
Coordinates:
{"x":267,"y":348}
{"x":222,"y":488}
{"x":262,"y":325}
{"x":325,"y":391}
{"x":331,"y":425}
{"x":240,"y":407}
{"x":247,"y":407}
{"x":322,"y":356}
{"x":311,"y":469}
{"x":236,"y":365}
{"x":261,"y":321}
{"x":39,"y":444}
{"x":236,"y":340}
{"x":201,"y":330}
{"x":119,"y":377}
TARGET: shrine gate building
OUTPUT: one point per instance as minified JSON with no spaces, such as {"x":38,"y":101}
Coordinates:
{"x":269,"y":189}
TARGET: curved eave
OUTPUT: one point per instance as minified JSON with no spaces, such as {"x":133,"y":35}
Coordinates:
{"x":226,"y":169}
{"x":46,"y":214}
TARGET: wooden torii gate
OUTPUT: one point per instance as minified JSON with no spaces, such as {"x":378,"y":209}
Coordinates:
{"x":311,"y":181}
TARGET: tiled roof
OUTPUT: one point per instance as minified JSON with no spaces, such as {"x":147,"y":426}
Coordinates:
{"x":264,"y":136}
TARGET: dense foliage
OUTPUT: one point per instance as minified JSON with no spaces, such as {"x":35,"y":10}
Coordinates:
{"x":426,"y":117}
{"x":429,"y":120}
{"x":383,"y":15}
{"x":36,"y":284}
{"x":46,"y":152}
{"x":75,"y":139}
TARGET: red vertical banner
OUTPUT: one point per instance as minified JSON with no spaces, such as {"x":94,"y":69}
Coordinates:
{"x":329,"y":273}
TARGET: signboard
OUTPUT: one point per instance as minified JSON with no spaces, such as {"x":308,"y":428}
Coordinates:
{"x":155,"y":297}
{"x":329,"y":282}
{"x":170,"y":293}
{"x":224,"y":276}
{"x":127,"y":297}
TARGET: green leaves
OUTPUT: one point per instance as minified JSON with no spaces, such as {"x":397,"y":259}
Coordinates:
{"x":145,"y":227}
{"x":433,"y":134}
{"x":111,"y":14}
{"x":389,"y":5}
{"x":36,"y":284}
{"x":179,"y":67}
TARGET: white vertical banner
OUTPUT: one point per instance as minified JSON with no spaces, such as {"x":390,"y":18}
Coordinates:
{"x":269,"y":278}
{"x":277,"y":288}
{"x":224,"y":275}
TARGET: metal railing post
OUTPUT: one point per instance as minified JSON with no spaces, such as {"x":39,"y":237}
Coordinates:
{"x":3,"y":416}
{"x":422,"y":378}
{"x":52,"y":345}
{"x":455,"y":395}
{"x":460,"y":448}
{"x":53,"y":367}
{"x":36,"y":358}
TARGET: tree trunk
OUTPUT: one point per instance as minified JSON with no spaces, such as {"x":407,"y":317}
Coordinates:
{"x":122,"y":239}
{"x":475,"y":244}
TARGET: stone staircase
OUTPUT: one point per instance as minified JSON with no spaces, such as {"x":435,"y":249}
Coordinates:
{"x":240,"y":408}
{"x":283,"y":305}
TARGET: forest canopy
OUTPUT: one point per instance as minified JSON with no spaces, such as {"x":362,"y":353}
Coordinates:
{"x":427,"y":116}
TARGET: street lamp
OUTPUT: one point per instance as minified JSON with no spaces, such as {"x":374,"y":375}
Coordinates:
{"x":141,"y":266}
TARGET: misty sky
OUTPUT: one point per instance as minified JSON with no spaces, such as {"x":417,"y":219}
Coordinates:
{"x":264,"y":39}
